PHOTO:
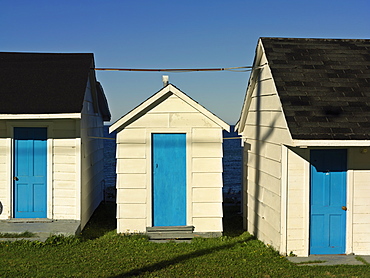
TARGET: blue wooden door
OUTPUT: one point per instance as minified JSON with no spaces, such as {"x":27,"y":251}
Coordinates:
{"x":169,"y":179}
{"x":328,"y":201}
{"x":30,"y":172}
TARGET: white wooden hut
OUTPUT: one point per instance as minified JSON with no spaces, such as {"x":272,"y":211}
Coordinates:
{"x":305,"y":124}
{"x":50,"y":108}
{"x":169,"y":166}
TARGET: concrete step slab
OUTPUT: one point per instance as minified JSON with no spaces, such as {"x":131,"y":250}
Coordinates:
{"x":41,"y":228}
{"x":326,"y":260}
{"x":12,"y":239}
{"x":170,"y":232}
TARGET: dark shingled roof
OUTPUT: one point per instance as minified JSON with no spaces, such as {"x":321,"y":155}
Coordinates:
{"x":43,"y":83}
{"x":324,"y":86}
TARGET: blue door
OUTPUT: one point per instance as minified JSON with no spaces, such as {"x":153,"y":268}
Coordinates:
{"x":169,"y":179}
{"x":30,"y":172}
{"x":328,"y":201}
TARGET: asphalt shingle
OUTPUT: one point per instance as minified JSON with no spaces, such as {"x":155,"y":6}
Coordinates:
{"x":324,"y":86}
{"x":42,"y":83}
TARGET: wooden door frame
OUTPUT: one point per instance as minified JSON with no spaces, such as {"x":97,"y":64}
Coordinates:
{"x":148,"y":143}
{"x":11,"y":124}
{"x":34,"y":140}
{"x":348,"y":193}
{"x":180,"y":139}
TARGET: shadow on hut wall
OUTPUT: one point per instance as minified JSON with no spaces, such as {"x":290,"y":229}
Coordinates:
{"x":254,"y":189}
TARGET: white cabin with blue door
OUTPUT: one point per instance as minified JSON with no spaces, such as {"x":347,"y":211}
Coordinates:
{"x":51,"y":108}
{"x":169,"y":165}
{"x":305,"y":125}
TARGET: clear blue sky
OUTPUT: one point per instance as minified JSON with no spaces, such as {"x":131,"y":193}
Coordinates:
{"x":174,"y":34}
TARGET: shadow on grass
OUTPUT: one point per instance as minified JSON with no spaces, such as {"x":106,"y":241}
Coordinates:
{"x":166,"y":263}
{"x":102,"y":221}
{"x":232,"y":220}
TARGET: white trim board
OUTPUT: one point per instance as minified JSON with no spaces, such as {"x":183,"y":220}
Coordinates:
{"x":331,"y":143}
{"x":39,"y":116}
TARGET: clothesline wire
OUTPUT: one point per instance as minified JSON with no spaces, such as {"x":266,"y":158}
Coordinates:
{"x":236,"y":69}
{"x":108,"y":138}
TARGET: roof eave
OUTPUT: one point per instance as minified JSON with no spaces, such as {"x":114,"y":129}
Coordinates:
{"x":251,"y":83}
{"x":40,"y":116}
{"x":200,"y":108}
{"x":330,"y":143}
{"x":122,"y":122}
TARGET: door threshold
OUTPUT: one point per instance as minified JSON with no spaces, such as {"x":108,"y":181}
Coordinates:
{"x":318,"y":255}
{"x":29,"y":220}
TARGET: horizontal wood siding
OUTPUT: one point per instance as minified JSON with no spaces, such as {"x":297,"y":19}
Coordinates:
{"x":204,"y":146}
{"x":265,"y":131}
{"x":359,"y":162}
{"x":92,"y":158}
{"x":297,"y":205}
{"x":65,"y":177}
{"x":132,"y":181}
{"x":207,"y":179}
{"x":5,"y":147}
{"x":64,"y":129}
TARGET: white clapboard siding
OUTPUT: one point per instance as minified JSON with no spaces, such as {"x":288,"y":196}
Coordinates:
{"x":296,"y":206}
{"x":173,"y":113}
{"x":64,"y":129}
{"x":265,"y":129}
{"x":207,"y":180}
{"x":359,"y":162}
{"x":204,"y":180}
{"x":92,"y":158}
{"x":173,"y":104}
{"x":206,"y":135}
{"x":65,"y":177}
{"x":5,"y":177}
{"x":136,"y":180}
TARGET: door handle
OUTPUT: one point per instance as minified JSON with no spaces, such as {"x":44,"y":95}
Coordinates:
{"x":16,"y":179}
{"x":344,"y":208}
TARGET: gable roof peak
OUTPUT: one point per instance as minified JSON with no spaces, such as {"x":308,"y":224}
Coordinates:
{"x":158,"y":98}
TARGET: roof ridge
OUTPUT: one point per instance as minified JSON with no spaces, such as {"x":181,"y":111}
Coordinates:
{"x":46,"y":53}
{"x":314,"y":39}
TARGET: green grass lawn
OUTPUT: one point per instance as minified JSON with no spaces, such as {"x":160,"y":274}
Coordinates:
{"x":100,"y":252}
